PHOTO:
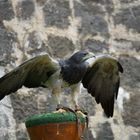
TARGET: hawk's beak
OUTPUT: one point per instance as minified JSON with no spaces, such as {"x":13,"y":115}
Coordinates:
{"x":89,"y":55}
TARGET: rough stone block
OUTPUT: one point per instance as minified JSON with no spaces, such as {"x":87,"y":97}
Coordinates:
{"x":25,"y":9}
{"x":130,"y":77}
{"x":6,"y":40}
{"x":36,"y":44}
{"x":105,"y":132}
{"x":136,"y":45}
{"x":41,"y":2}
{"x":61,"y":46}
{"x":107,"y":4}
{"x":56,"y":13}
{"x":95,"y":46}
{"x":88,"y":7}
{"x":87,"y":103}
{"x":132,"y":110}
{"x":24,"y":107}
{"x":6,"y":11}
{"x":91,"y":23}
{"x":127,"y":1}
{"x":134,"y":136}
{"x":129,"y":17}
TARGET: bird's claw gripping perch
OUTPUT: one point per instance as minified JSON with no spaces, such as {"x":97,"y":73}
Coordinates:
{"x":61,"y":109}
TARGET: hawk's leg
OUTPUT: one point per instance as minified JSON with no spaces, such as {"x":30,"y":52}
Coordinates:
{"x":76,"y":89}
{"x":56,"y":93}
{"x":55,"y":84}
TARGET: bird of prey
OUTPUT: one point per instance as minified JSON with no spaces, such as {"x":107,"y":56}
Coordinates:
{"x":98,"y":74}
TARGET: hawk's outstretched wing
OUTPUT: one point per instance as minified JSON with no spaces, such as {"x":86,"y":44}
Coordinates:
{"x":102,"y":82}
{"x":32,"y":73}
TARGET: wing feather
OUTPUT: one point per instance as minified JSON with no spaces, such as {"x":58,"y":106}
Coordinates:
{"x":31,"y":73}
{"x":102,"y":82}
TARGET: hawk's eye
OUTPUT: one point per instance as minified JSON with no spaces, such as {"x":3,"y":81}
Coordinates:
{"x":84,"y":54}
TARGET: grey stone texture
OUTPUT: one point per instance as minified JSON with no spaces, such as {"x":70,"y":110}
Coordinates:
{"x":132,"y":107}
{"x":129,"y":17}
{"x":131,"y":70}
{"x":25,"y":9}
{"x":6,"y":11}
{"x":60,"y":43}
{"x":56,"y":13}
{"x":59,"y":27}
{"x":95,"y":46}
{"x":105,"y":132}
{"x":89,"y":14}
{"x":5,"y":45}
{"x":36,"y":44}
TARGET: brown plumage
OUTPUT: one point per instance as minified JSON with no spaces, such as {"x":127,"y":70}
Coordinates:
{"x":102,"y":82}
{"x":32,"y":73}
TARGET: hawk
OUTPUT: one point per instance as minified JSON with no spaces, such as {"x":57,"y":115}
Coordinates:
{"x":98,"y":74}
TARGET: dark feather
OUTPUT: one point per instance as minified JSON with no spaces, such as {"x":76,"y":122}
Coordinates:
{"x":32,"y":73}
{"x":120,"y":67}
{"x":102,"y":82}
{"x":72,"y":73}
{"x":11,"y":82}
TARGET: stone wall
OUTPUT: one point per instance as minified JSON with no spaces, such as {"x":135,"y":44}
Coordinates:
{"x":60,"y":27}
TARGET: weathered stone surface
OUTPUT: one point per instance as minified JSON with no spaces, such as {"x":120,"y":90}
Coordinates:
{"x":6,"y":40}
{"x":136,"y":45}
{"x":25,"y":9}
{"x":104,"y":2}
{"x":88,"y":135}
{"x":95,"y":46}
{"x":134,"y":136}
{"x":128,"y":1}
{"x":131,"y":81}
{"x":34,"y":41}
{"x":41,"y":2}
{"x":24,"y":106}
{"x":93,"y":28}
{"x":129,"y":17}
{"x":130,"y":77}
{"x":22,"y":134}
{"x":87,"y":103}
{"x":6,"y":11}
{"x":5,"y":137}
{"x":105,"y":132}
{"x":7,"y":122}
{"x":56,"y":13}
{"x":132,"y":110}
{"x":108,"y":5}
{"x":88,"y":24}
{"x":61,"y":46}
{"x":97,"y":6}
{"x":88,"y":7}
{"x":36,"y":45}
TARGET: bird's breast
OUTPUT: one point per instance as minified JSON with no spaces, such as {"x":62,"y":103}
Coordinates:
{"x":73,"y":74}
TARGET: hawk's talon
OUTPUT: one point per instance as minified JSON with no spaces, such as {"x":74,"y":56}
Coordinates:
{"x":61,"y":109}
{"x":59,"y":106}
{"x":84,"y":114}
{"x":80,"y":111}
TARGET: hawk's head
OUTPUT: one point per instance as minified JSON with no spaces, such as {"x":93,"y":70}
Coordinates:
{"x":81,"y":56}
